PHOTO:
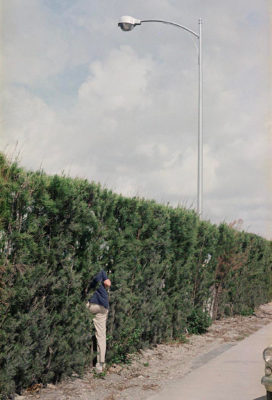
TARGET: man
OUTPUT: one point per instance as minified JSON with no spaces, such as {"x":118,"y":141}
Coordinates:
{"x":98,"y":304}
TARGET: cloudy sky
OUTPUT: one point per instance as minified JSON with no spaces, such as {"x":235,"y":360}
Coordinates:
{"x":83,"y":97}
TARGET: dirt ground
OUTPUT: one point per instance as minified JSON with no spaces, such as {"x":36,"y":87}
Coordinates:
{"x":151,"y":369}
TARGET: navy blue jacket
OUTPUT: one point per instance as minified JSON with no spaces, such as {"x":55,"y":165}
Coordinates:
{"x":101,"y":295}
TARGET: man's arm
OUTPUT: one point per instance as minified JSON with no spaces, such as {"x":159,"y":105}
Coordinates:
{"x":101,"y":277}
{"x":106,"y":281}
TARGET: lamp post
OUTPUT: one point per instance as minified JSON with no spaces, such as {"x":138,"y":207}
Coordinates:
{"x":127,"y":23}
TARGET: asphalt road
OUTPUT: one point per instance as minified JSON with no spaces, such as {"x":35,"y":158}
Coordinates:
{"x":234,"y":374}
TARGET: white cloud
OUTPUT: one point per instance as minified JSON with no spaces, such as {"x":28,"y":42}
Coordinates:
{"x":30,"y":127}
{"x":118,"y":83}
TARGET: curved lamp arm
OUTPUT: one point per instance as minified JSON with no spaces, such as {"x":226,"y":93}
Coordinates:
{"x":171,"y":23}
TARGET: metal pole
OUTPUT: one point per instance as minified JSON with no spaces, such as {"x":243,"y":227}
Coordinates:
{"x":133,"y":22}
{"x":200,"y":111}
{"x":200,"y":127}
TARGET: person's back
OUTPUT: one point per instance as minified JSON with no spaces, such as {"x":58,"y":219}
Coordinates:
{"x":100,"y":296}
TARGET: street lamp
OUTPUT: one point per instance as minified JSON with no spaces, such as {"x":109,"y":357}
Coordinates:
{"x":127,"y":23}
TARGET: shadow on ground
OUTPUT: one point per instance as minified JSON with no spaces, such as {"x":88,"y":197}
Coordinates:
{"x":261,"y":398}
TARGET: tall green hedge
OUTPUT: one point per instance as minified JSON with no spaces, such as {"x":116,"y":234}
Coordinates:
{"x":170,"y":272}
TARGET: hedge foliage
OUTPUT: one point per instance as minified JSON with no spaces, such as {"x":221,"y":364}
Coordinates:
{"x":170,"y":273}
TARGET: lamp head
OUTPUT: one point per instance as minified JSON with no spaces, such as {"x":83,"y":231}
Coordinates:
{"x":127,"y":23}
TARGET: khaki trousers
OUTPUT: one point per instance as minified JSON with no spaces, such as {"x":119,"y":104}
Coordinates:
{"x":100,"y":321}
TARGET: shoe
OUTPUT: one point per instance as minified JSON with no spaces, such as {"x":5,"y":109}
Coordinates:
{"x":99,"y":368}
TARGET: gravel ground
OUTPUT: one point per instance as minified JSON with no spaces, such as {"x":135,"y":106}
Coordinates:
{"x":151,"y":369}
